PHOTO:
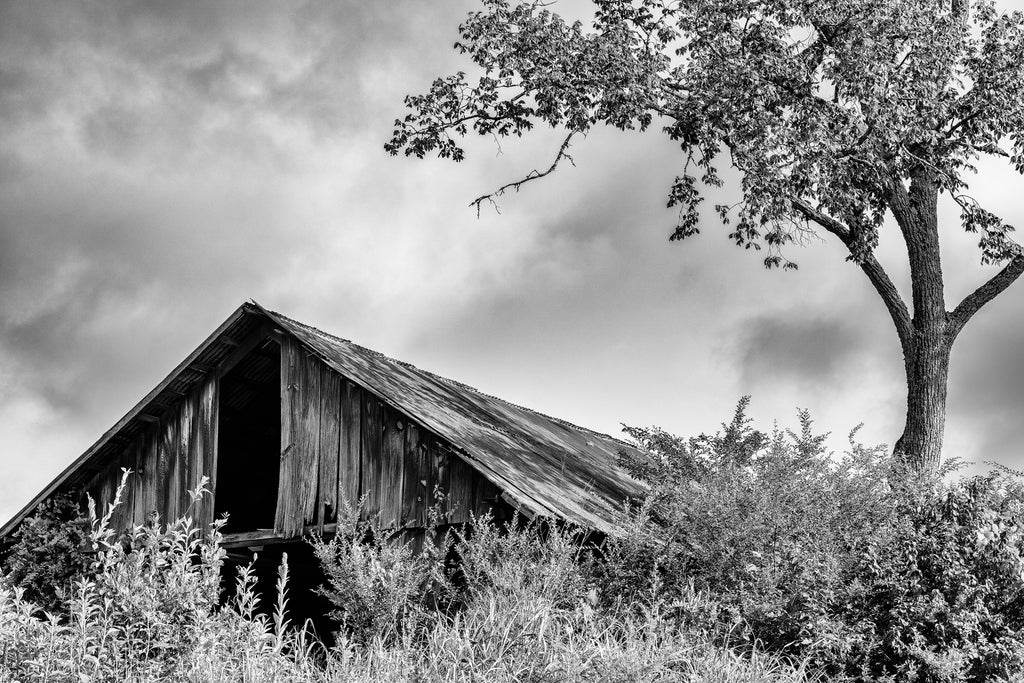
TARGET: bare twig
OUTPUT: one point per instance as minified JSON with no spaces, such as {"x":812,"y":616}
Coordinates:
{"x":563,"y":154}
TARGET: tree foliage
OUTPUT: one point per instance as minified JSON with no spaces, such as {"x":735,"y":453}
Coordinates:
{"x":821,"y":105}
{"x":837,"y":115}
{"x":49,"y":551}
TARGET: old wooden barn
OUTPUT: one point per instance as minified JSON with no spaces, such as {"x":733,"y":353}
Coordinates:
{"x":286,"y":421}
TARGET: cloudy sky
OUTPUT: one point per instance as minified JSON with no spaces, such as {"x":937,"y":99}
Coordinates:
{"x":162,"y":162}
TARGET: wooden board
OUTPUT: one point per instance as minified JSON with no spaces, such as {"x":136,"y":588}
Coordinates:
{"x":438,"y":461}
{"x":372,"y":455}
{"x":167,"y":485}
{"x":205,"y":445}
{"x":306,"y":435}
{"x":349,"y":460}
{"x":416,"y":482}
{"x":149,"y":479}
{"x":330,"y":442}
{"x":487,"y":495}
{"x":185,"y":455}
{"x":461,"y":501}
{"x":392,"y":466}
{"x":288,"y":517}
{"x":139,"y":478}
{"x":126,"y":510}
{"x":100,"y":490}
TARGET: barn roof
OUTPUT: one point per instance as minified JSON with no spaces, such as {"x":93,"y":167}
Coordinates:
{"x":543,"y":465}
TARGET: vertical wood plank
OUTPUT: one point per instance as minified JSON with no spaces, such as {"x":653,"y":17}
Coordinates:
{"x":440,"y":475}
{"x":126,"y":511}
{"x":486,"y":497}
{"x":113,"y":479}
{"x":330,"y":441}
{"x":288,"y":517}
{"x":393,"y":464}
{"x":167,"y":486}
{"x":372,"y":458}
{"x":185,"y":453}
{"x":104,"y":492}
{"x":205,"y":445}
{"x":349,"y":471}
{"x":139,"y":465}
{"x":461,"y":501}
{"x":149,"y":466}
{"x":417,"y":484}
{"x":307,"y":440}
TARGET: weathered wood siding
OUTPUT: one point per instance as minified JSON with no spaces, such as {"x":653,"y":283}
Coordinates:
{"x":340,"y":444}
{"x":167,"y":461}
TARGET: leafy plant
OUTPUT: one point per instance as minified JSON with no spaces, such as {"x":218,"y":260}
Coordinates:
{"x":374,"y":583}
{"x":49,"y":551}
{"x":856,"y":565}
{"x":848,"y":117}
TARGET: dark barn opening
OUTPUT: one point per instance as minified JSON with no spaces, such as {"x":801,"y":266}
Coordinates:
{"x":249,"y":440}
{"x":305,"y":606}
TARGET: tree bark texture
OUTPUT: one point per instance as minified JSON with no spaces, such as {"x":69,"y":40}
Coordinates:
{"x":926,"y":335}
{"x":926,"y":349}
{"x":927,"y":367}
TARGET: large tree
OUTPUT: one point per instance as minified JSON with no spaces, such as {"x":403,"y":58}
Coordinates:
{"x":836,"y":113}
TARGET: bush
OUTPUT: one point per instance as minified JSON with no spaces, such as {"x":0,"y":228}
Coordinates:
{"x":375,"y":585}
{"x":520,"y":609}
{"x":146,"y":610}
{"x":517,"y":604}
{"x":47,"y":555}
{"x":380,"y":588}
{"x":856,"y":565}
{"x":754,"y":557}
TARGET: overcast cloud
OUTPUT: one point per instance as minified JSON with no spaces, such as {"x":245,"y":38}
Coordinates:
{"x":162,"y":162}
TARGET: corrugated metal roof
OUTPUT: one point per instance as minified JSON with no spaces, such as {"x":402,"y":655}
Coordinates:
{"x":547,"y":466}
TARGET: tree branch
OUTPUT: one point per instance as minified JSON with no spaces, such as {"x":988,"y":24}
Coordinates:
{"x":871,"y":267}
{"x":532,"y":175}
{"x":973,"y":302}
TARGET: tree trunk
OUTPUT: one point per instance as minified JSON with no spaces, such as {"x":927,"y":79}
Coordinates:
{"x":927,"y":367}
{"x":926,"y":344}
{"x":928,"y":336}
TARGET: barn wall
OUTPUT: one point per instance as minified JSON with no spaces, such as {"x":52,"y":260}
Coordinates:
{"x":168,"y":459}
{"x":340,"y":443}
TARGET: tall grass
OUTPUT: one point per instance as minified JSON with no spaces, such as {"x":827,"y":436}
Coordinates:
{"x":519,"y":608}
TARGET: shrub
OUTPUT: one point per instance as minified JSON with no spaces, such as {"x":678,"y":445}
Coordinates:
{"x":940,"y":596}
{"x":145,"y":609}
{"x":854,"y":564}
{"x":374,"y":583}
{"x":521,"y":608}
{"x":517,"y":605}
{"x":47,"y":555}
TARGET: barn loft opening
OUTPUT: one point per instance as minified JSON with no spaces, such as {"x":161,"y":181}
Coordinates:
{"x":249,"y":440}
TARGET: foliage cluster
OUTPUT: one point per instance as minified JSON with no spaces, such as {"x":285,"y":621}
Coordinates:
{"x":147,"y":610}
{"x":823,"y":107}
{"x":754,"y":556}
{"x":858,"y":566}
{"x":516,"y":602}
{"x":144,"y":610}
{"x":46,"y":555}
